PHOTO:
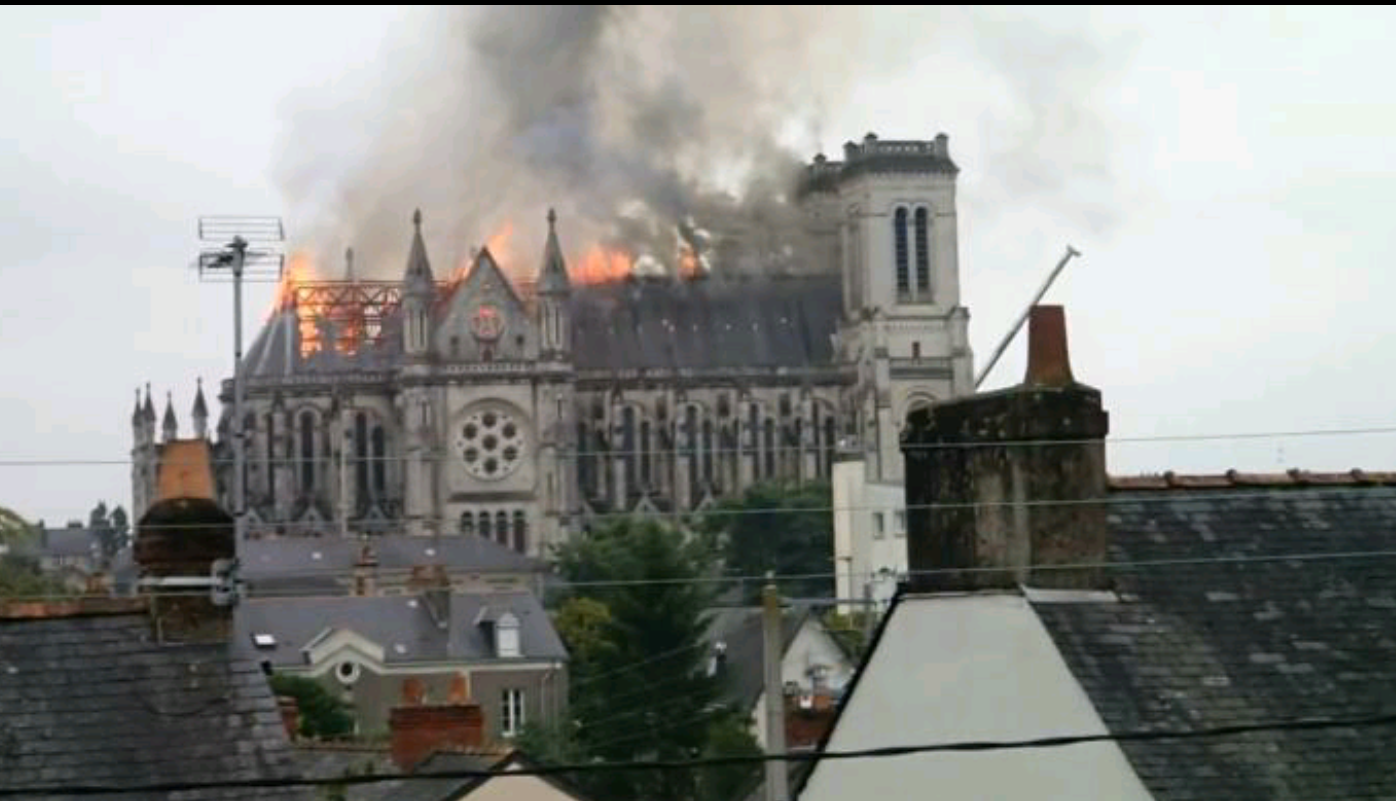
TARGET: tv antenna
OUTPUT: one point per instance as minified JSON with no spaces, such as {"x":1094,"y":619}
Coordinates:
{"x":1071,"y":253}
{"x":240,"y":249}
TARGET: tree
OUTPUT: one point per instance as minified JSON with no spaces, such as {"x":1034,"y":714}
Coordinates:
{"x":786,"y":529}
{"x":21,"y":577}
{"x":322,"y":715}
{"x":640,"y":689}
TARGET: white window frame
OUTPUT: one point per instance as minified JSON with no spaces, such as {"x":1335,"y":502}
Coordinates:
{"x":511,"y":712}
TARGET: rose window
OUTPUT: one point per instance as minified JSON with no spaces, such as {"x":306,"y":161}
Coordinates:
{"x":490,"y":443}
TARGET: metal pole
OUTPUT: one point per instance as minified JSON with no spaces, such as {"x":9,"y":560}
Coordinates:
{"x":239,"y":246}
{"x":993,"y":360}
{"x":777,"y":779}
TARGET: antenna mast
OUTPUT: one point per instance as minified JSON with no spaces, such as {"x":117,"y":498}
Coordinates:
{"x":1013,"y":332}
{"x":230,"y":256}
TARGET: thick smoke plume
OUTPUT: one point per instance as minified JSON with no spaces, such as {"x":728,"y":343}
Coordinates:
{"x":662,"y":131}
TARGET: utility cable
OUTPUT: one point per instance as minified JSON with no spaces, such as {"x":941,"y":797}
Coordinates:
{"x":1119,"y":496}
{"x":1141,"y":564}
{"x":965,"y":746}
{"x":687,"y":451}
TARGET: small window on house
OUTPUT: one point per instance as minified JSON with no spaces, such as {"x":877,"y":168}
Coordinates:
{"x":506,"y":636}
{"x":878,"y":525}
{"x":347,"y":672}
{"x":511,"y":712}
{"x":264,"y":640}
{"x":901,"y":523}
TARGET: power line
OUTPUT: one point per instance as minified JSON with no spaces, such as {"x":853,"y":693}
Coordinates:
{"x":1118,"y":496}
{"x":685,"y":451}
{"x":1302,"y":557}
{"x":966,"y":746}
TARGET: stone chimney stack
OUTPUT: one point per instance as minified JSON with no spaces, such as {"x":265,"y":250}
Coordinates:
{"x":180,"y":540}
{"x":1010,"y":479}
{"x":417,"y":731}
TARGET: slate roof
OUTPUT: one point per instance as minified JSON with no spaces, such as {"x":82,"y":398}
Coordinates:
{"x":742,"y":670}
{"x":402,"y":625}
{"x":707,"y":324}
{"x":1216,"y":644}
{"x":313,"y":562}
{"x":93,"y":700}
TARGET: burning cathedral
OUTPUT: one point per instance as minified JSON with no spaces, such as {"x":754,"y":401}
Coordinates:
{"x":523,"y":410}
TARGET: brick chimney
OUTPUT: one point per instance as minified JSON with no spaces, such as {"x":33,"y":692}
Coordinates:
{"x":418,"y":731}
{"x":290,"y":715}
{"x":1011,"y":478}
{"x":178,"y":541}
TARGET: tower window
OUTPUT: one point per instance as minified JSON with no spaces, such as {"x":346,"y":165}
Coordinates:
{"x":628,"y":446}
{"x":899,"y":233}
{"x":923,"y":253}
{"x":916,"y":350}
{"x":361,"y":463}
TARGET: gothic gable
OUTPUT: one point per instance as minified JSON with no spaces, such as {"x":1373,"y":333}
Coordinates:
{"x":484,"y":319}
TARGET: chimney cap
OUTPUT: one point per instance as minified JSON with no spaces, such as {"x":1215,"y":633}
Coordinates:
{"x":1049,"y":361}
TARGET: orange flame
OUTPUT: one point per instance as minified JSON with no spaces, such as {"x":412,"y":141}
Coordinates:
{"x":300,"y":269}
{"x":500,"y":244}
{"x":600,"y":264}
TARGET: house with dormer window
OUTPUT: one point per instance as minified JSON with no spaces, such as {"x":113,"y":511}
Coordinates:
{"x":367,"y":649}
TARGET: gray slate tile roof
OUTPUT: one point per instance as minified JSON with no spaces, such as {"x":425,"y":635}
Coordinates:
{"x":1203,"y":645}
{"x":714,"y":323}
{"x":92,"y":700}
{"x":403,"y":625}
{"x":325,"y":563}
{"x":709,"y":324}
{"x":741,"y":673}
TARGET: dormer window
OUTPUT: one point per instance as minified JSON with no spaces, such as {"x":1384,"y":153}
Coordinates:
{"x":506,"y":636}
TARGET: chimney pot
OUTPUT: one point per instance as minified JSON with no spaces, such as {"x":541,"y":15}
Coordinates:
{"x":1049,"y":363}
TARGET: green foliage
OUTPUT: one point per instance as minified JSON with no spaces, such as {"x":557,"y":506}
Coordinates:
{"x":111,"y":530}
{"x":849,"y":631}
{"x":639,"y":686}
{"x":15,"y":530}
{"x":786,"y":529}
{"x":20,"y":577}
{"x":728,"y":737}
{"x":322,"y":714}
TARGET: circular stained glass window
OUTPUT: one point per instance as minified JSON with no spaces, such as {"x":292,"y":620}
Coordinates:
{"x":491,"y":444}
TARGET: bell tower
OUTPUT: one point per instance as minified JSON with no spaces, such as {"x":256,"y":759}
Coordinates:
{"x":887,"y":211}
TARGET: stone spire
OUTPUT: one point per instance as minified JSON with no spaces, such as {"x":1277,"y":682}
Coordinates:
{"x":169,"y":426}
{"x":552,"y":278}
{"x":418,"y":276}
{"x":148,"y":411}
{"x":200,"y":414}
{"x":136,"y":416}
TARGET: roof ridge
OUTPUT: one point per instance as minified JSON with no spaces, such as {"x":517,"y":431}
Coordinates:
{"x":1235,"y":479}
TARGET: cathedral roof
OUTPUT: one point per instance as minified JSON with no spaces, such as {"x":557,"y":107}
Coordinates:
{"x":640,"y":324}
{"x":706,"y":324}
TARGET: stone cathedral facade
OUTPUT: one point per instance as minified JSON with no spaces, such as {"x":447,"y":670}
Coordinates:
{"x":523,"y":413}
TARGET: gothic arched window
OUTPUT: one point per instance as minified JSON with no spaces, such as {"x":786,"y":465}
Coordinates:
{"x":770,"y":447}
{"x":645,"y":452}
{"x":923,"y":253}
{"x":307,"y":451}
{"x":467,"y":523}
{"x":520,"y":532}
{"x":380,"y":462}
{"x":501,"y":528}
{"x":361,"y":463}
{"x":899,"y":234}
{"x":629,"y":447}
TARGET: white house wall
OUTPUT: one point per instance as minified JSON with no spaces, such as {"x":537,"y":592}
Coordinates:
{"x":962,"y":668}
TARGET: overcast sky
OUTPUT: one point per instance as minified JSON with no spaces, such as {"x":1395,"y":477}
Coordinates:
{"x":1240,"y":283}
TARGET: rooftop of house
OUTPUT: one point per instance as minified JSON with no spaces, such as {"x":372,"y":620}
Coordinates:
{"x":1238,"y":600}
{"x":405,"y":627}
{"x":741,"y":671}
{"x":90,"y":698}
{"x":318,"y":560}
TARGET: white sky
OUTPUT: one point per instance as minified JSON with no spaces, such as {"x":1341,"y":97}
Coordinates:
{"x":1242,"y":290}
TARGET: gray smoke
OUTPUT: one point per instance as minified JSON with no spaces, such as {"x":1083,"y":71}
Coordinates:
{"x":645,"y":126}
